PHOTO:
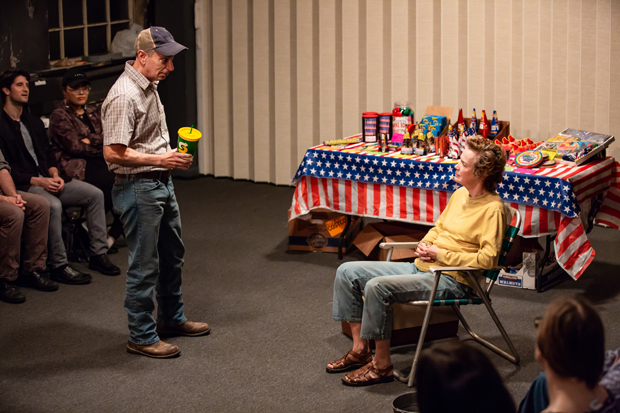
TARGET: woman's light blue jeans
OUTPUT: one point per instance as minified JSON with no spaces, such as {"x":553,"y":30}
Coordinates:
{"x":382,"y":284}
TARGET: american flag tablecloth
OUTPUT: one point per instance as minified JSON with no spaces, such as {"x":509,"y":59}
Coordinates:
{"x":416,"y":189}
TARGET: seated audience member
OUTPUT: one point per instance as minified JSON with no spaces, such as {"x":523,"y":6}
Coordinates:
{"x":456,"y":377}
{"x":34,"y":169}
{"x":469,"y":232}
{"x":570,"y":347}
{"x":24,"y":217}
{"x":76,"y":134}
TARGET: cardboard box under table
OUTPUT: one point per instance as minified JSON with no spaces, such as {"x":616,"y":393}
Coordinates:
{"x":406,"y":319}
{"x":320,"y":230}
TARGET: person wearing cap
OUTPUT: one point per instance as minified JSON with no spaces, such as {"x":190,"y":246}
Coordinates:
{"x":137,"y":149}
{"x":76,"y":133}
{"x":26,"y":147}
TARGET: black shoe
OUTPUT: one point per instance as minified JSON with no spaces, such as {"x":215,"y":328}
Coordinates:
{"x":69,"y":275}
{"x":36,"y":280}
{"x":10,"y":294}
{"x":103,"y":264}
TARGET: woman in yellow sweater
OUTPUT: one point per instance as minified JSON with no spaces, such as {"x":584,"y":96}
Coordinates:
{"x":469,"y":232}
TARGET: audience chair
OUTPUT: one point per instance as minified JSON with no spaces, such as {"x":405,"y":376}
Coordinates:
{"x":481,"y":296}
{"x":74,"y":234}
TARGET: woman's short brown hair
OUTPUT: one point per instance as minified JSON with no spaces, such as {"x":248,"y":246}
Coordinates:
{"x":571,"y":338}
{"x":491,"y":161}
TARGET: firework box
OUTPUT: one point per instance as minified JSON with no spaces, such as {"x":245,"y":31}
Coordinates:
{"x":320,"y":231}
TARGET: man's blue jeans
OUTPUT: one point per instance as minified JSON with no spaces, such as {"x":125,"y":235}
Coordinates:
{"x":384,"y":283}
{"x":152,"y":224}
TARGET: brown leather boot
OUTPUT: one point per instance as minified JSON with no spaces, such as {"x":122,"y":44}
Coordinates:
{"x":188,"y":328}
{"x":159,"y":350}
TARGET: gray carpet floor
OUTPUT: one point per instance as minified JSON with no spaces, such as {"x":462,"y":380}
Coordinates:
{"x":270,"y":313}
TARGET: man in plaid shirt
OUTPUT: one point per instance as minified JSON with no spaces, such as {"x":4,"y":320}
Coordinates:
{"x":137,"y":150}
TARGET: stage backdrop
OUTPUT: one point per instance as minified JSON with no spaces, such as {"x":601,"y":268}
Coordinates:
{"x":278,"y":76}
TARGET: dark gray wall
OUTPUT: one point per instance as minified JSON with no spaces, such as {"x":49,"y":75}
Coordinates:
{"x":23,"y":35}
{"x":178,"y":91}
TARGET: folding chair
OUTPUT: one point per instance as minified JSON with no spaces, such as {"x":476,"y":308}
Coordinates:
{"x":482,"y":298}
{"x":75,"y":236}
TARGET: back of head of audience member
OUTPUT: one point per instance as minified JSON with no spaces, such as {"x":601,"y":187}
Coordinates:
{"x":454,"y":376}
{"x":8,"y":77}
{"x":571,"y":340}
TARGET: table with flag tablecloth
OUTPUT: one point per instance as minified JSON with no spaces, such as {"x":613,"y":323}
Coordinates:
{"x":357,"y":180}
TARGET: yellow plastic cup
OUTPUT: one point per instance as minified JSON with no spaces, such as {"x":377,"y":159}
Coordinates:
{"x":188,"y":141}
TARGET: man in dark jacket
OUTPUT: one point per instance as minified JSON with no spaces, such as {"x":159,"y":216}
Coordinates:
{"x":26,"y":147}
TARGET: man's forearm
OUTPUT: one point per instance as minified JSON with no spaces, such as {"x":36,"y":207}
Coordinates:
{"x":125,"y":156}
{"x":6,"y":183}
{"x":53,"y":171}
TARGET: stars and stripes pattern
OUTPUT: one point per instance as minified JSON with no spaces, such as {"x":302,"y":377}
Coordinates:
{"x":417,"y":190}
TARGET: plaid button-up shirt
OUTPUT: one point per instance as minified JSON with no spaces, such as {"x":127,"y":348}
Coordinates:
{"x":133,"y":116}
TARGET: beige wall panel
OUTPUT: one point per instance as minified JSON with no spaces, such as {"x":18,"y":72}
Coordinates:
{"x":516,"y":61}
{"x":241,"y":87}
{"x":614,"y":84}
{"x":399,"y":78}
{"x":489,"y":57}
{"x":263,"y":134}
{"x":531,"y":70}
{"x":204,"y":83}
{"x":374,"y":56}
{"x":573,"y":87}
{"x":327,"y":70}
{"x":475,"y":64}
{"x":602,"y":79}
{"x":449,"y":55}
{"x":284,"y":164}
{"x":542,"y":64}
{"x":559,"y":73}
{"x":503,"y":67}
{"x":544,"y":70}
{"x":305,"y":106}
{"x":424,"y":59}
{"x":222,"y":84}
{"x":352,"y":112}
{"x":589,"y":52}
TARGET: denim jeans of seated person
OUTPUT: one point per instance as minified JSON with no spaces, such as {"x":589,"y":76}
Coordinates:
{"x":152,"y":224}
{"x":384,"y":283}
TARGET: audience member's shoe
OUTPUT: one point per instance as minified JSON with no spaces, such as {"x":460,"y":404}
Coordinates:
{"x":368,"y":375}
{"x":103,"y":264}
{"x":188,"y":328}
{"x":112,"y":250}
{"x":36,"y":280}
{"x":158,"y":350}
{"x":10,"y":294}
{"x":70,"y":275}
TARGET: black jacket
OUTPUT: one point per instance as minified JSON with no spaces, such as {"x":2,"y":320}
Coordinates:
{"x":23,"y":166}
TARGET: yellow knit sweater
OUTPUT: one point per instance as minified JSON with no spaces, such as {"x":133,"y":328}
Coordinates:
{"x":469,"y":232}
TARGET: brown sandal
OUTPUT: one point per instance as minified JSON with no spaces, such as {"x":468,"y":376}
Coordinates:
{"x":350,"y":361}
{"x":369,"y":375}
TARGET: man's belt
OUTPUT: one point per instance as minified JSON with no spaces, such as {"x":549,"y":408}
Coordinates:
{"x":159,"y":175}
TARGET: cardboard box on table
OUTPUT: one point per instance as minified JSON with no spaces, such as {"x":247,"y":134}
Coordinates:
{"x":407,"y":320}
{"x":310,"y":233}
{"x":440,"y":111}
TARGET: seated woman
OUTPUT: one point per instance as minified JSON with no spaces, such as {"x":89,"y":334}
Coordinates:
{"x":469,"y":232}
{"x":570,"y":346}
{"x":77,"y":137}
{"x":455,"y":377}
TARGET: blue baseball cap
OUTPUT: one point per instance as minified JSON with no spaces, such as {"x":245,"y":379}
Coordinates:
{"x":158,"y":39}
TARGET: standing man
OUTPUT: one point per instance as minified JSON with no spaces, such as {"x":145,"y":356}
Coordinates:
{"x":137,"y":149}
